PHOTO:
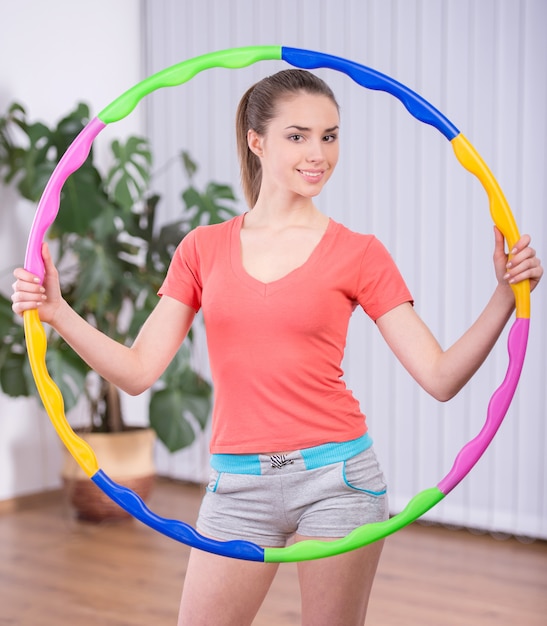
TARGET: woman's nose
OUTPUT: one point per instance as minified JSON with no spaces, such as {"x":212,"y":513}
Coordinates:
{"x":316,"y":151}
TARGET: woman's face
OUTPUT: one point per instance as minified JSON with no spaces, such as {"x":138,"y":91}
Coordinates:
{"x":300,"y":149}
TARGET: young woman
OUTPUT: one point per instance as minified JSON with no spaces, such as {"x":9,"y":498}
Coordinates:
{"x":291,"y":455}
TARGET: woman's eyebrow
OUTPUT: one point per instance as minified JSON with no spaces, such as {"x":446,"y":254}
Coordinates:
{"x":306,"y":129}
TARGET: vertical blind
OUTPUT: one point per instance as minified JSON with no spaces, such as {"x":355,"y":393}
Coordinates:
{"x":484,"y":65}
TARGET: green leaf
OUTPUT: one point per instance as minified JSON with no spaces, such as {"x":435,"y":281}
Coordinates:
{"x":167,"y":419}
{"x":199,"y":406}
{"x":191,"y":197}
{"x":190,"y":166}
{"x":8,"y":322}
{"x":82,"y":201}
{"x":176,"y":370}
{"x":12,"y":377}
{"x":128,"y":178}
{"x":185,"y":392}
{"x":103,"y":226}
{"x":209,"y":207}
{"x":214,"y":190}
{"x":38,"y":133}
{"x":68,"y":127}
{"x":97,"y":277}
{"x":17,"y":110}
{"x":34,"y":181}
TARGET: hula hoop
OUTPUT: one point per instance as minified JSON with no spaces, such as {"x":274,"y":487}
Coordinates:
{"x":36,"y":336}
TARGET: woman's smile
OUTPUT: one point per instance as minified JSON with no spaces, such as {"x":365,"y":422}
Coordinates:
{"x":312,"y":176}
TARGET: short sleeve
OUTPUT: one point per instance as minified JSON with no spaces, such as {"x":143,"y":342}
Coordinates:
{"x":381,"y":286}
{"x":183,"y":279}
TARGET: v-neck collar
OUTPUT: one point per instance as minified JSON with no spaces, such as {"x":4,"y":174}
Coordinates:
{"x":298,"y":273}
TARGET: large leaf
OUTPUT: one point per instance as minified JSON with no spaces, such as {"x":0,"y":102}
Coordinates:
{"x":35,"y":178}
{"x":97,"y":278}
{"x":14,"y":156}
{"x":128,"y":179}
{"x":13,"y":380}
{"x":164,"y":245}
{"x":184,"y":393}
{"x":167,"y":419}
{"x":10,"y":327}
{"x":82,"y":201}
{"x":68,"y":127}
{"x":33,"y":160}
{"x":197,"y":393}
{"x":209,"y":207}
{"x":15,"y":375}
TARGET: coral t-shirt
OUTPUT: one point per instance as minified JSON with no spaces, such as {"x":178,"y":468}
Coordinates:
{"x":276,"y":348}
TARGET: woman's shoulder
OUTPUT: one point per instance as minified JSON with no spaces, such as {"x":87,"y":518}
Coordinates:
{"x":346,"y":235}
{"x":356,"y":246}
{"x":209,"y":232}
{"x":206,"y":240}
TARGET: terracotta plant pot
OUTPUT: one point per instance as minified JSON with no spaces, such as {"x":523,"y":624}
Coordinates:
{"x":126,"y":457}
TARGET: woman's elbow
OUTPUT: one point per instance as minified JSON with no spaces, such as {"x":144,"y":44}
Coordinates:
{"x":443,"y":392}
{"x":135,"y":390}
{"x":449,"y":391}
{"x":136,"y":385}
{"x":443,"y":396}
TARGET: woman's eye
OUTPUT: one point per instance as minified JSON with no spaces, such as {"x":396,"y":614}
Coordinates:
{"x":330,"y":138}
{"x":295,"y":137}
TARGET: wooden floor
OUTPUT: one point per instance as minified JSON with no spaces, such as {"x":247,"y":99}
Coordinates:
{"x":55,"y":571}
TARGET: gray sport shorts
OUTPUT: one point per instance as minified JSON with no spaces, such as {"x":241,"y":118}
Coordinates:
{"x":326,"y":491}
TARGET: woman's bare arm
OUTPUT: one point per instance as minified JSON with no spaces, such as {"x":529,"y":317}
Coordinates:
{"x":442,"y":373}
{"x":132,"y":368}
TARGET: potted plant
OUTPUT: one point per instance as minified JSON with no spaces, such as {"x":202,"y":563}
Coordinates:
{"x":112,"y":257}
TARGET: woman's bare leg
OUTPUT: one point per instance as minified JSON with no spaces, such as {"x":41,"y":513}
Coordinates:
{"x":336,"y":590}
{"x":221,"y":591}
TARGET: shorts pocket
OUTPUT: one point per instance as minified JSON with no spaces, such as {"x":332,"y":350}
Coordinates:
{"x":214,"y":481}
{"x":242,"y":485}
{"x":363,"y":473}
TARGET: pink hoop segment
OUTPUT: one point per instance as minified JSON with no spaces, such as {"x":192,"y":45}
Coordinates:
{"x":497,"y":408}
{"x":48,"y":208}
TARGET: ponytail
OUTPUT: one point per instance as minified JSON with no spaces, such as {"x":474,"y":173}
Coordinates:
{"x":249,"y":163}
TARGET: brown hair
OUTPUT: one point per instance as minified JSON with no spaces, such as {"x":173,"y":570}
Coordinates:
{"x":258,"y":107}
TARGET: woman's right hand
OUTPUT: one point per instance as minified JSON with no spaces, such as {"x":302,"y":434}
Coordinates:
{"x":29,"y":294}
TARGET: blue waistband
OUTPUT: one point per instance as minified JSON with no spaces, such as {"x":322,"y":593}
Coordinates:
{"x":315,"y":457}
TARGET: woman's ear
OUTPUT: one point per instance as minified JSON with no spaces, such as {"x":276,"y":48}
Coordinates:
{"x":254,"y":141}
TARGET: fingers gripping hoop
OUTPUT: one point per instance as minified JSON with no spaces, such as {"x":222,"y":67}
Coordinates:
{"x":36,"y":337}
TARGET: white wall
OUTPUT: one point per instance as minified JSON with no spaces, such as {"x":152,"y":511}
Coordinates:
{"x":54,"y":54}
{"x":484,"y":65}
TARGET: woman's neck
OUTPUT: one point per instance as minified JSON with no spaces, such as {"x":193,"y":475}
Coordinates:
{"x":280,"y":213}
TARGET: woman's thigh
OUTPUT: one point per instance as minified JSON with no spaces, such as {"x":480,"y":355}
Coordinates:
{"x":221,"y":591}
{"x":335,"y":591}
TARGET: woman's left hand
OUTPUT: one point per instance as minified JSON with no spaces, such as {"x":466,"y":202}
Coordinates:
{"x":521,"y":264}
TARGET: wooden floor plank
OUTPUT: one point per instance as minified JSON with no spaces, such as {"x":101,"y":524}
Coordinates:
{"x":55,"y":571}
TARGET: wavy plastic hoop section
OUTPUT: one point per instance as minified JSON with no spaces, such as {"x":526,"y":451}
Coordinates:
{"x":424,"y":112}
